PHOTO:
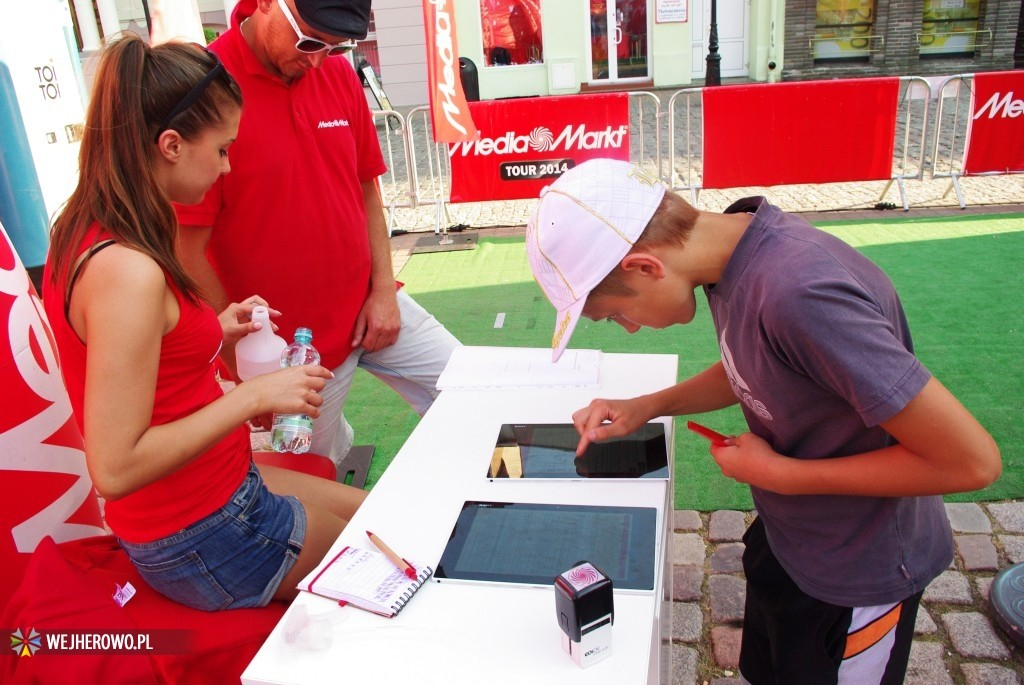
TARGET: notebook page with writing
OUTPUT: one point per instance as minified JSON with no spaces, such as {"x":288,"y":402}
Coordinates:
{"x":366,"y":579}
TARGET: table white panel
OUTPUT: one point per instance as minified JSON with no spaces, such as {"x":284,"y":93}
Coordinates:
{"x":459,"y":632}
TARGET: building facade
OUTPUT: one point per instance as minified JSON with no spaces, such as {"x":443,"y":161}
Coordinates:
{"x":557,"y":47}
{"x":829,"y":39}
{"x":522,"y":48}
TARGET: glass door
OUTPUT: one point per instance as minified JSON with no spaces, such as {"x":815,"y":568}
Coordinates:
{"x":618,"y":40}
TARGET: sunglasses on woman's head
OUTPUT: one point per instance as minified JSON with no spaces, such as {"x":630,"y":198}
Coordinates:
{"x":310,"y":45}
{"x":193,"y":95}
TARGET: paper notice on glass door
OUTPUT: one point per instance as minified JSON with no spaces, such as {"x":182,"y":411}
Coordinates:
{"x":667,"y":11}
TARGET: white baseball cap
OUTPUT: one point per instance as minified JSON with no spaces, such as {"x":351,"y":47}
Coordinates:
{"x":586,"y":222}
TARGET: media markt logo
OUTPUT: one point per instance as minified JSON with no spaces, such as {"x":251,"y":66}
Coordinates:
{"x":26,"y":645}
{"x":1002,"y":106}
{"x":541,"y":139}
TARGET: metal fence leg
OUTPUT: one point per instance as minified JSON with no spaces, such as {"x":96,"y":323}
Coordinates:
{"x":391,"y":220}
{"x":886,"y":189}
{"x":955,"y":186}
{"x":955,"y":182}
{"x":903,"y":194}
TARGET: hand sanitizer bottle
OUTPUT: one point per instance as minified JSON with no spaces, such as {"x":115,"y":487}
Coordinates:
{"x":260,"y":351}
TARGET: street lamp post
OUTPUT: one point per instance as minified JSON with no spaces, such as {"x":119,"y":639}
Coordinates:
{"x":713,"y":74}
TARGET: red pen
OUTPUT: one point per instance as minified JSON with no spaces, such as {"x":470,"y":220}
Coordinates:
{"x":398,"y":561}
{"x":715,"y":437}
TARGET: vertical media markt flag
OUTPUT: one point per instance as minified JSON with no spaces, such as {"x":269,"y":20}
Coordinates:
{"x":449,"y":111}
{"x":995,"y":138}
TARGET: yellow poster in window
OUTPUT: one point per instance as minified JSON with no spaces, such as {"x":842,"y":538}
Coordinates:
{"x":843,"y":29}
{"x":949,"y":26}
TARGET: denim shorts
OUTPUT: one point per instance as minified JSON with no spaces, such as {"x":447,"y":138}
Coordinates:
{"x":232,"y":559}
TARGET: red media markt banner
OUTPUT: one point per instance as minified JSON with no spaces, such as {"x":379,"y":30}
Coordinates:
{"x":995,"y":139}
{"x":527,"y":143}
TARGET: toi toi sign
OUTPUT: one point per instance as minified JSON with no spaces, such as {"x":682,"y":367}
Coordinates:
{"x":44,"y":486}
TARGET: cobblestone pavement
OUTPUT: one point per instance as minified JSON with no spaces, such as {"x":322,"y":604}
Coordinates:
{"x":957,"y":640}
{"x":956,"y":637}
{"x":833,"y":200}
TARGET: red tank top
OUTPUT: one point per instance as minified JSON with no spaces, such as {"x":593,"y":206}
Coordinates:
{"x":185,"y":383}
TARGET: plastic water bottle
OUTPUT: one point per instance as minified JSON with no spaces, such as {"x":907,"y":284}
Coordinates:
{"x":260,"y":351}
{"x":293,"y":432}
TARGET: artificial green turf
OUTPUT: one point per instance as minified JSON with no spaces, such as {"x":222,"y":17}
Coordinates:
{"x":959,"y":278}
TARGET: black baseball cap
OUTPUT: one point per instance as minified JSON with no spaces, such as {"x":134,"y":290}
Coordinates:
{"x":345,"y":18}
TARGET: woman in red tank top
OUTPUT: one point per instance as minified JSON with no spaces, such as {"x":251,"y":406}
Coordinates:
{"x":165,"y":446}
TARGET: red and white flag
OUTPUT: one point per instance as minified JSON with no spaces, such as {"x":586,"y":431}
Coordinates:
{"x":449,"y":112}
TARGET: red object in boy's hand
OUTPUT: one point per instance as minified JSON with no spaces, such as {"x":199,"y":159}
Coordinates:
{"x":715,"y":437}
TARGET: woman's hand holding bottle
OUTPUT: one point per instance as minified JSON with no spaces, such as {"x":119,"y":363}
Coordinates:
{"x":292,"y":390}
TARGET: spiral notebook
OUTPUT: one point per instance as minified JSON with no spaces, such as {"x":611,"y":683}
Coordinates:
{"x":366,"y":579}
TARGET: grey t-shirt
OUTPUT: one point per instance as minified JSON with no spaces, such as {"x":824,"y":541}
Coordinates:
{"x":817,"y":348}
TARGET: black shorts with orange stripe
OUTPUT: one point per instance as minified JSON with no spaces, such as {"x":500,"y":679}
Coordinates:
{"x":790,"y":638}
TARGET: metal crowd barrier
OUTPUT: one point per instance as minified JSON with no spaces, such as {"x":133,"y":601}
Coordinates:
{"x":395,"y":184}
{"x":953,"y":117}
{"x":686,"y":149}
{"x":692,"y":129}
{"x":431,"y":169}
{"x":645,"y":140}
{"x":932,"y":124}
{"x":911,"y":134}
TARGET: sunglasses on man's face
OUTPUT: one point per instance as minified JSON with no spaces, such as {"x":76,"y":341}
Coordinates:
{"x":310,"y":45}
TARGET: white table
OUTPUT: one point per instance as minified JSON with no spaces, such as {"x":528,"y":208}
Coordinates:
{"x":454,"y":633}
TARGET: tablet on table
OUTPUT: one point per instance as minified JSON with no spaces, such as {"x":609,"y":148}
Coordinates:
{"x":529,"y":543}
{"x":548,"y":450}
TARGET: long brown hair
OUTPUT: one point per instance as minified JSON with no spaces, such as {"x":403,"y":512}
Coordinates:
{"x":136,"y":87}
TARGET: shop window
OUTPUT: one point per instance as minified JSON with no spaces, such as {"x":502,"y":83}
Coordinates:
{"x":366,"y":52}
{"x":950,"y":28}
{"x":511,"y":32}
{"x":844,"y":31}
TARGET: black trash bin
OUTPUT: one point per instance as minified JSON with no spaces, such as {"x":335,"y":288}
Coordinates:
{"x":470,"y":79}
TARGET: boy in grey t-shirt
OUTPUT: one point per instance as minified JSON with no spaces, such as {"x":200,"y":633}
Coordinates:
{"x":851,"y":441}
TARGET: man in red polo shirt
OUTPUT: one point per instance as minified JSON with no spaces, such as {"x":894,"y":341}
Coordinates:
{"x":300,"y":220}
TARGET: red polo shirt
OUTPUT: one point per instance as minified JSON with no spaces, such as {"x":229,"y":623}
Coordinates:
{"x":289,"y":222}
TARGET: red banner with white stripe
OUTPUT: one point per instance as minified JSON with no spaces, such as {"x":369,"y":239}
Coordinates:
{"x":449,"y":112}
{"x":805,"y":132}
{"x":995,"y":138}
{"x":527,"y":143}
{"x":45,"y":488}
